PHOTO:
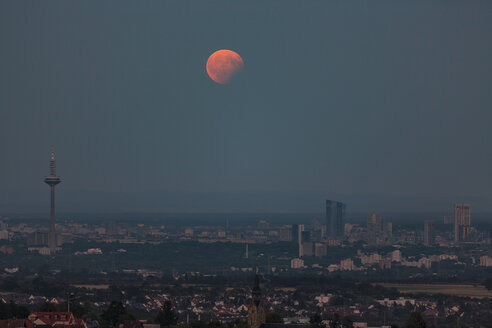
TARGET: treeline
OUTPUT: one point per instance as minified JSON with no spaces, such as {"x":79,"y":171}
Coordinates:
{"x":10,"y":310}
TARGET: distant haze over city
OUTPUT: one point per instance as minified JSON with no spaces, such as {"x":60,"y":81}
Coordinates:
{"x":228,"y":202}
{"x":384,"y":106}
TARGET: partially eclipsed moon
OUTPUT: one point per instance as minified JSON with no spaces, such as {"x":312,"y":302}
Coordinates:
{"x":222,"y":65}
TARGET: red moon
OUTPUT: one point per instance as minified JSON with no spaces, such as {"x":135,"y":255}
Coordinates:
{"x":222,"y":65}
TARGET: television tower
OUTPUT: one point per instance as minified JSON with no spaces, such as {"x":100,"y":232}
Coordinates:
{"x":52,"y":180}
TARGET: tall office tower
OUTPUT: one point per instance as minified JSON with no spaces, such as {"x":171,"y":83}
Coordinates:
{"x":374,"y":227}
{"x":448,"y":219}
{"x":306,"y":236}
{"x":335,"y":219}
{"x":285,"y":234}
{"x":461,"y":222}
{"x":428,"y":232}
{"x":388,"y":230}
{"x":297,"y":230}
{"x":315,"y":224}
{"x":52,"y":180}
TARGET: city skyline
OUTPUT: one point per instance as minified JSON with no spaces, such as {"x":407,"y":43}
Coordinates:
{"x":245,"y":164}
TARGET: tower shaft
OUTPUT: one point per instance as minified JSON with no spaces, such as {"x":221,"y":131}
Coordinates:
{"x":52,"y":235}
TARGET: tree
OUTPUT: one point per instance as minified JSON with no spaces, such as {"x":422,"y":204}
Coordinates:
{"x":47,"y":307}
{"x":348,"y":322}
{"x":273,"y":317}
{"x":336,"y":300}
{"x":166,"y":316}
{"x":335,"y":321}
{"x":416,"y":321}
{"x":115,"y":314}
{"x":11,"y":310}
{"x":315,"y":321}
{"x":488,"y":283}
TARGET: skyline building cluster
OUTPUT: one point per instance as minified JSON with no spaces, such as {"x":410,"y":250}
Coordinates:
{"x":377,"y":230}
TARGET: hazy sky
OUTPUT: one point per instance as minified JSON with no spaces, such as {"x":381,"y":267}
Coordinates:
{"x":381,"y":98}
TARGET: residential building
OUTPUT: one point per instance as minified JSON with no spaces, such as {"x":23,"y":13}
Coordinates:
{"x":296,"y":263}
{"x":347,"y":264}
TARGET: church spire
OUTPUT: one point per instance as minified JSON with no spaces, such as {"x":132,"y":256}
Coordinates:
{"x":256,"y":311}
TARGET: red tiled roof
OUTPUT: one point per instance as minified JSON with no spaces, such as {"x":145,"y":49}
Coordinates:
{"x":55,"y":319}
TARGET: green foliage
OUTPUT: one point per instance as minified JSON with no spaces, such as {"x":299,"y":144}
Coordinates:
{"x":9,"y":284}
{"x":115,"y":314}
{"x":167,"y":316}
{"x":336,"y":300}
{"x":335,"y":321}
{"x":315,"y":321}
{"x":347,"y":322}
{"x":47,"y":307}
{"x":416,"y":320}
{"x":273,"y":317}
{"x":11,"y":310}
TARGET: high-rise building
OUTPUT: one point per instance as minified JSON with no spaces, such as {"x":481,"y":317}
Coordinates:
{"x":388,"y":230}
{"x":38,"y":239}
{"x":428,"y":232}
{"x":307,"y":249}
{"x":285,"y":234}
{"x":297,"y":230}
{"x":374,"y":228}
{"x":448,"y":219}
{"x":52,"y":180}
{"x":461,"y":222}
{"x":319,"y":250}
{"x":306,"y":236}
{"x":335,"y":219}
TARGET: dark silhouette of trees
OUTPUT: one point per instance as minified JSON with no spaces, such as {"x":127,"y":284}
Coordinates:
{"x":316,"y":321}
{"x":47,"y":307}
{"x":416,"y":320}
{"x":166,"y":316}
{"x":11,"y":310}
{"x":273,"y":317}
{"x":488,"y":283}
{"x":335,"y":321}
{"x":115,"y":314}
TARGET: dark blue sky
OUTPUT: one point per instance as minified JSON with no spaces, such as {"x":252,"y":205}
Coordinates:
{"x":379,"y":98}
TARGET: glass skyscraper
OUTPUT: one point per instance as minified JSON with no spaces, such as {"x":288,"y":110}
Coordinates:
{"x":335,"y":219}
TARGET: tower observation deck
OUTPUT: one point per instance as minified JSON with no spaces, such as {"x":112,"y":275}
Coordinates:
{"x":52,"y":180}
